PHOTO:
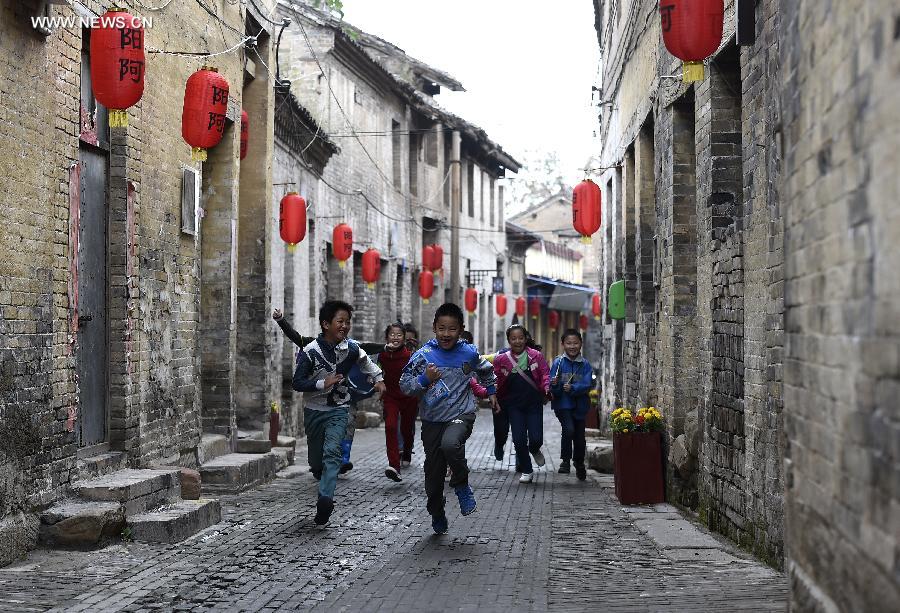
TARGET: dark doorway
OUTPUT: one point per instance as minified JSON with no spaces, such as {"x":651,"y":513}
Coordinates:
{"x":91,"y":353}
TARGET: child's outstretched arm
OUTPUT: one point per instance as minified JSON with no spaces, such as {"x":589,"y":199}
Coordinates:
{"x":304,"y":380}
{"x":289,"y":331}
{"x":413,"y":380}
{"x":478,"y":390}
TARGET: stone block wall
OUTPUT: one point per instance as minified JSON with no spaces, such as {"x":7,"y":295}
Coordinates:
{"x":841,"y":145}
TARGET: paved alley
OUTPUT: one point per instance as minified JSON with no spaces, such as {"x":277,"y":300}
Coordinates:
{"x":555,"y":545}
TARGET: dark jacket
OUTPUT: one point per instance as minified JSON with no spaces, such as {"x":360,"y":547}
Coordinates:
{"x":579,"y":373}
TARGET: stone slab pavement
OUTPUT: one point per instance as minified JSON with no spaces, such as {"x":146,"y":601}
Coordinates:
{"x":554,"y":545}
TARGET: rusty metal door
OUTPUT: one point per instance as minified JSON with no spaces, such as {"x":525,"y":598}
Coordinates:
{"x":92,"y":346}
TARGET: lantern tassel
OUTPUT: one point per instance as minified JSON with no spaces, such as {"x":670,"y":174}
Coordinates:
{"x":292,"y":247}
{"x":692,"y":72}
{"x":370,"y":285}
{"x":118,"y":118}
{"x":425,"y":300}
{"x":587,"y":240}
{"x":341,"y":263}
{"x":198,"y":154}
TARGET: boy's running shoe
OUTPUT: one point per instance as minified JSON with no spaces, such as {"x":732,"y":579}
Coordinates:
{"x":345,"y":468}
{"x":324,"y":507}
{"x":439,"y":524}
{"x":391,"y":473}
{"x":466,"y":499}
{"x":526,"y":478}
{"x":564,"y":467}
{"x":538,"y":457}
{"x":404,"y":463}
{"x":580,"y":471}
{"x":498,"y":452}
{"x":317,"y":475}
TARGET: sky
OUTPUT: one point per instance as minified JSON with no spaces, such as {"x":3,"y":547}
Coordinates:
{"x":527,"y":66}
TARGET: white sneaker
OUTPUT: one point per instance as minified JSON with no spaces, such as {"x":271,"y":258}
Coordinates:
{"x":391,"y":473}
{"x":404,"y":463}
{"x":525,"y":478}
{"x":538,"y":458}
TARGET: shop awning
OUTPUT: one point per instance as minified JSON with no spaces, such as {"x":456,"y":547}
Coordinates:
{"x":560,"y":295}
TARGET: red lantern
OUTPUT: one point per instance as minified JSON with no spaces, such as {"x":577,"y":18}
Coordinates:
{"x":117,"y":63}
{"x":426,"y":285}
{"x":595,"y":306}
{"x":692,"y":31}
{"x":342,"y":243}
{"x":245,"y":133}
{"x":428,"y":257}
{"x":292,"y":219}
{"x":586,"y":209}
{"x":371,"y":267}
{"x":520,"y":306}
{"x":553,"y":319}
{"x":534,"y":307}
{"x":203,"y":115}
{"x":583,"y":321}
{"x":438,"y":258}
{"x":500,"y":303}
{"x":471,"y":300}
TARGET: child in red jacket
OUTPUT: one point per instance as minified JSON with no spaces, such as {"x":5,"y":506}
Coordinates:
{"x":399,"y":409}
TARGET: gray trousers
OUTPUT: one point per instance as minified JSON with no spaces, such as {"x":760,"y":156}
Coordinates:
{"x":445,"y":445}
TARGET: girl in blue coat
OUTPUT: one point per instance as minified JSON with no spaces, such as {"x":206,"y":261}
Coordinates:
{"x":570,"y":383}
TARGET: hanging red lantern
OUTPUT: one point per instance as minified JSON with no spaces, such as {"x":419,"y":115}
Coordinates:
{"x":471,"y":300}
{"x":371,"y":267}
{"x":245,"y":133}
{"x":586,"y":209}
{"x":500,"y":304}
{"x":595,"y":306}
{"x":426,"y":285}
{"x":428,"y":257}
{"x":534,"y":307}
{"x":117,"y":63}
{"x":292,"y":219}
{"x":553,"y":319}
{"x":583,"y":321}
{"x":437,"y":261}
{"x":203,"y":115}
{"x":520,"y":306}
{"x":342,"y":243}
{"x":692,"y":31}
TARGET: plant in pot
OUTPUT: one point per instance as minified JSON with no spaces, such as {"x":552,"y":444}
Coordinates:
{"x":637,"y":452}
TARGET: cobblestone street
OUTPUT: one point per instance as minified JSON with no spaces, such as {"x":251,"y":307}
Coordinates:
{"x":557,"y":544}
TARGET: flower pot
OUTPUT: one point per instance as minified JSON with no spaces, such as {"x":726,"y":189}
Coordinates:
{"x":638,"y":467}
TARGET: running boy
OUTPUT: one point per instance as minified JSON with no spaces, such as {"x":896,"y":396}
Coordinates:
{"x":439,"y":374}
{"x":322,"y":375}
{"x":570,"y":385}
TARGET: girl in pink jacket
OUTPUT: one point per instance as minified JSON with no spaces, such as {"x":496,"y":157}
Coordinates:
{"x":523,"y":386}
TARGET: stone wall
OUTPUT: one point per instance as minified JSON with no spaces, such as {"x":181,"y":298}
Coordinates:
{"x":839,"y":82}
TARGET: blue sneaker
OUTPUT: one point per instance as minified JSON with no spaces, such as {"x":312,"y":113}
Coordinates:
{"x":466,"y":500}
{"x":439,"y":524}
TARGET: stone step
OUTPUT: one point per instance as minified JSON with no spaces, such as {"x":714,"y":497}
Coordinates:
{"x":287,"y":441}
{"x":99,"y":465}
{"x":175,"y":522}
{"x":285,"y":457}
{"x":235,"y":472}
{"x":212,"y":446}
{"x":81,"y":524}
{"x":135,"y":489}
{"x":252,"y":445}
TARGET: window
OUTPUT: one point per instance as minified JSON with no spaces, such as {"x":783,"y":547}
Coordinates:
{"x":190,"y":201}
{"x":491,"y":185}
{"x":413,"y":163}
{"x":470,"y":176}
{"x":431,"y":146}
{"x":481,"y":195}
{"x":395,"y":145}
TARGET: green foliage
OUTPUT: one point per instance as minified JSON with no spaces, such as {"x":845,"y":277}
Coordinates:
{"x":127,"y":535}
{"x":335,"y":6}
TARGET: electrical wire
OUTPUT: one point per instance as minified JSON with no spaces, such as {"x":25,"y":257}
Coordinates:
{"x":200,"y":53}
{"x":151,"y":8}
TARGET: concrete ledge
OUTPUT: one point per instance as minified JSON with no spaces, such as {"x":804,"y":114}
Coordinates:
{"x":136,"y":489}
{"x":212,"y":446}
{"x":236,"y":472}
{"x":285,"y":457}
{"x":81,"y":524}
{"x":252,"y":445}
{"x":99,"y":465}
{"x":176,"y":522}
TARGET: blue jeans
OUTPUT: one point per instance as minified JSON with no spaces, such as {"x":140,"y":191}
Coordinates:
{"x":324,"y":432}
{"x":527,"y":425}
{"x":572,"y":435}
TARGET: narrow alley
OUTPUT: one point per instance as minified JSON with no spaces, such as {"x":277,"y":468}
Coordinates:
{"x":553,"y":545}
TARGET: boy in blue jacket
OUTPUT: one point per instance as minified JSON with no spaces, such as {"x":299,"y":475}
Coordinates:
{"x":322,"y":374}
{"x":439,"y":374}
{"x":570,"y":383}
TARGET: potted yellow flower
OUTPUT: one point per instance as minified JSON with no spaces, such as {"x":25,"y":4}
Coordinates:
{"x":637,"y":452}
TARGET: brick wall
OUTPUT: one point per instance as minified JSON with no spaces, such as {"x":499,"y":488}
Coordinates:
{"x":841,"y":294}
